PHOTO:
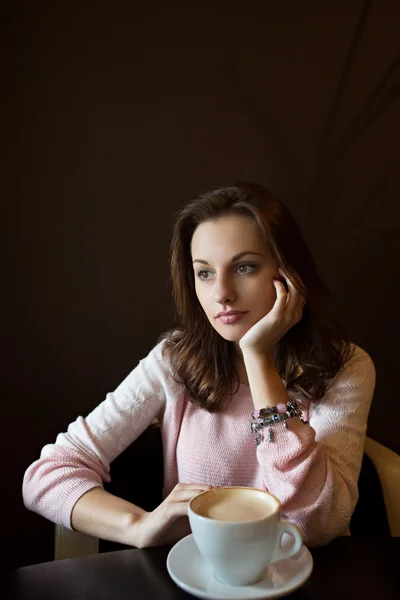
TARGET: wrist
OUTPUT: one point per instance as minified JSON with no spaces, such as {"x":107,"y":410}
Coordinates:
{"x":252,"y":356}
{"x":259,"y":350}
{"x":266,"y":386}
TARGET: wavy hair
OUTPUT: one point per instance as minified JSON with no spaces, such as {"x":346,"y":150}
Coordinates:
{"x":310,"y":354}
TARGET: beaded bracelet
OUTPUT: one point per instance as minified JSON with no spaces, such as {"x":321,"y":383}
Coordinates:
{"x":272,"y":415}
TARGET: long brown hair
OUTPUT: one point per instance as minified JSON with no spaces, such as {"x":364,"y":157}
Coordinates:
{"x":311,"y":353}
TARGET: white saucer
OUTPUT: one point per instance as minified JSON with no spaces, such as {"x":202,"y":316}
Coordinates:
{"x":190,"y":572}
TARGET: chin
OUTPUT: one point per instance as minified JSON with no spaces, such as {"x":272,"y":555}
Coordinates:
{"x":231,"y":338}
{"x":232,"y":335}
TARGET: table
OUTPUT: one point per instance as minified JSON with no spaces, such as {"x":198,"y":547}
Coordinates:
{"x":360,"y":568}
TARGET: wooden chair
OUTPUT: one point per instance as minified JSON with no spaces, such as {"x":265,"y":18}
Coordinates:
{"x":376,"y":515}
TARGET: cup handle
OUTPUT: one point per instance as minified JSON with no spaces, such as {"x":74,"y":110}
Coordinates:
{"x":292,"y":529}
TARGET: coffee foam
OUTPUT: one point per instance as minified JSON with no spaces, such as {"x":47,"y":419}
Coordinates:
{"x":234,"y":504}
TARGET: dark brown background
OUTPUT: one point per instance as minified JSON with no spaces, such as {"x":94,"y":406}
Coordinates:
{"x":116,"y":113}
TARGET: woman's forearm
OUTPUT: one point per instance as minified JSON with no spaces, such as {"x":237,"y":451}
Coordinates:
{"x":266,"y":386}
{"x":100,"y":514}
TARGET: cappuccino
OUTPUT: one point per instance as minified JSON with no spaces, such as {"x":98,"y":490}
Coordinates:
{"x":235,"y":504}
{"x":238,"y":531}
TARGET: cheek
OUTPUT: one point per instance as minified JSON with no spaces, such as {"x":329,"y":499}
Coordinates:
{"x":202,"y":298}
{"x":267,"y":296}
{"x":270,"y":295}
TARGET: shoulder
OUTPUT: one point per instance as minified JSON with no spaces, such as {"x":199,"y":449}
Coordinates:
{"x":348,"y":397}
{"x":357,"y":376}
{"x":359,"y":365}
{"x":153,"y":371}
{"x":157,"y":367}
{"x":157,"y":360}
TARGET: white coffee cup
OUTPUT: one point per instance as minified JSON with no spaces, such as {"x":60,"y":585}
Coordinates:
{"x":238,"y":531}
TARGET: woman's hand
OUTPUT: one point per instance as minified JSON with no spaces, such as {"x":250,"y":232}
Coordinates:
{"x":286,"y":312}
{"x":152,"y":527}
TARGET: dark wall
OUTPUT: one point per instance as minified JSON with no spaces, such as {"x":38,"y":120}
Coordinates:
{"x":117,"y":113}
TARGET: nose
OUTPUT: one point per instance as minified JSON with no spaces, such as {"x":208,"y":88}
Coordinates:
{"x":224,"y":291}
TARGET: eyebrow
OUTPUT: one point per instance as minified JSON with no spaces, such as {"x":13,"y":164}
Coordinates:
{"x":234,"y":258}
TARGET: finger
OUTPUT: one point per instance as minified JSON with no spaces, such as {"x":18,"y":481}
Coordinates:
{"x":193,"y":486}
{"x":295,"y":298}
{"x":152,"y":526}
{"x":182,"y":495}
{"x":174,"y":506}
{"x":281,"y":296}
{"x":178,"y":509}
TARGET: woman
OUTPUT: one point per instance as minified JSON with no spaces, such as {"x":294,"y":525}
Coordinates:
{"x":254,"y":335}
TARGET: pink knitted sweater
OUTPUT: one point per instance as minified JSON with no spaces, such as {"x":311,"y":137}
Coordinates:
{"x":312,"y":469}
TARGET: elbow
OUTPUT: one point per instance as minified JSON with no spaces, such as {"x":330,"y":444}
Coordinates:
{"x":29,"y":496}
{"x":318,"y":537}
{"x":319,"y":530}
{"x":325,"y":520}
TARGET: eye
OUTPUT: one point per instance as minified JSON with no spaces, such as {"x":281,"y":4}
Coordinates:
{"x":203,"y":275}
{"x":246,"y":268}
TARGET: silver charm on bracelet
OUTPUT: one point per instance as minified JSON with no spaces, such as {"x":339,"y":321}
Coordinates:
{"x":270,"y":416}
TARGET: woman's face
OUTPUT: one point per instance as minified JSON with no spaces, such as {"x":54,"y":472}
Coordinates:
{"x":233,"y":271}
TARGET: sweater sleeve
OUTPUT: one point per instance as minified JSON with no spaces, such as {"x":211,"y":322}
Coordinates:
{"x":80,"y":459}
{"x":314,"y":469}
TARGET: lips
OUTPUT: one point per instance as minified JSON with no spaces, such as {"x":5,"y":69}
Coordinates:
{"x":231,"y":316}
{"x":228,"y":313}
